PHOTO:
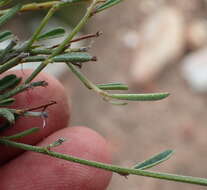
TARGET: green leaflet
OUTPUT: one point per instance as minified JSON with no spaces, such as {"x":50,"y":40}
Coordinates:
{"x":74,"y":57}
{"x":7,"y":102}
{"x":35,"y":58}
{"x":54,"y":33}
{"x":4,"y":112}
{"x":9,"y":14}
{"x":155,"y":160}
{"x":140,"y":97}
{"x":113,"y":86}
{"x":8,"y":82}
{"x":107,"y":5}
{"x":5,"y":35}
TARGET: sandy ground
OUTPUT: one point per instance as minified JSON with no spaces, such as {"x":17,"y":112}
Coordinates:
{"x":139,"y":130}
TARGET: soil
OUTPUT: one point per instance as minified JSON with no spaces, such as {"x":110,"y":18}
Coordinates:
{"x":141,"y":129}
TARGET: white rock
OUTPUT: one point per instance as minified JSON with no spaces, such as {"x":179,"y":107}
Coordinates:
{"x":194,"y":69}
{"x":162,"y":41}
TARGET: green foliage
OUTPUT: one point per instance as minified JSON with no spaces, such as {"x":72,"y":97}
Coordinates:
{"x":31,"y":50}
{"x":74,"y":57}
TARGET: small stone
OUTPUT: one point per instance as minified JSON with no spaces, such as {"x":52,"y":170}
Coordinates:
{"x":194,"y":70}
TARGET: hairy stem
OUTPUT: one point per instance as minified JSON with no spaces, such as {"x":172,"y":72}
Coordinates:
{"x":113,"y":168}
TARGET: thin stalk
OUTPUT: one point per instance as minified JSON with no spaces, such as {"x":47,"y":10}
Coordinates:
{"x":87,"y":36}
{"x":85,"y":81}
{"x":50,"y":13}
{"x":113,"y":168}
{"x":22,"y":134}
{"x":80,"y":25}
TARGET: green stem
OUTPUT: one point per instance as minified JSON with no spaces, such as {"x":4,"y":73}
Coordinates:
{"x":22,"y":134}
{"x":80,"y":25}
{"x":65,"y":42}
{"x":42,"y":25}
{"x":84,"y":80}
{"x":108,"y":167}
{"x":22,"y":88}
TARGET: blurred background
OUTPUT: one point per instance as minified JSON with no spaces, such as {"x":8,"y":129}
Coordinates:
{"x":153,"y":46}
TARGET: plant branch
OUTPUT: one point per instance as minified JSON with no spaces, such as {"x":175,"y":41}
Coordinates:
{"x":61,"y":47}
{"x":113,"y":168}
{"x":107,"y":96}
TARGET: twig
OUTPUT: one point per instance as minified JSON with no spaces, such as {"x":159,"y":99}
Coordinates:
{"x":87,"y":36}
{"x":108,"y":167}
